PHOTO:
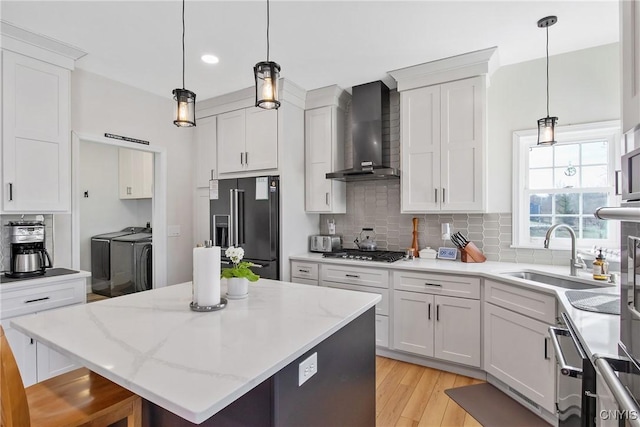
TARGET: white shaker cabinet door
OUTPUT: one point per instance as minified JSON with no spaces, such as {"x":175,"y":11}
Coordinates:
{"x":517,"y":352}
{"x":51,"y":363}
{"x":457,"y":330}
{"x":413,"y":318}
{"x":206,"y":145}
{"x":24,"y":351}
{"x":462,"y":146}
{"x":420,"y":160}
{"x":318,"y":138}
{"x":231,"y":141}
{"x":261,"y":149}
{"x":36,"y":159}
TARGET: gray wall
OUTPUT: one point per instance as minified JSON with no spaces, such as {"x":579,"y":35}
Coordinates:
{"x":516,"y":99}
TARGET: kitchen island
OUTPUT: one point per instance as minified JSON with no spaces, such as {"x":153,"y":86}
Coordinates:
{"x":236,"y":366}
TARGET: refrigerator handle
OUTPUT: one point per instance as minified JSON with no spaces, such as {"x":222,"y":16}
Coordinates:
{"x":240,"y":235}
{"x":232,"y":217}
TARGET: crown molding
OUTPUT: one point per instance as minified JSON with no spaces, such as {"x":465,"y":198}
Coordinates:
{"x":329,"y":95}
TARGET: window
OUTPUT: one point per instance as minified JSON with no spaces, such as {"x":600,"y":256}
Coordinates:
{"x":565,"y":183}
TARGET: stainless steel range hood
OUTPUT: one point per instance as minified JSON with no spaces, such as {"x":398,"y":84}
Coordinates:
{"x":368,"y":104}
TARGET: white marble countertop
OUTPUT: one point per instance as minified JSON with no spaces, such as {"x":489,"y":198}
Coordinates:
{"x":195,"y":364}
{"x":38,"y":281}
{"x":599,"y":333}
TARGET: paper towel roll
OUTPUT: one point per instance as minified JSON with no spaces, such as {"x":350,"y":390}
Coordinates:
{"x":206,"y":276}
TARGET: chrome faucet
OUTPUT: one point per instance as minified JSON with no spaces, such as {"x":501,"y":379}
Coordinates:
{"x":576,"y":261}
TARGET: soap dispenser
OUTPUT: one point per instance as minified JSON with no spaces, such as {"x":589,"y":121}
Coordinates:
{"x":600,"y":267}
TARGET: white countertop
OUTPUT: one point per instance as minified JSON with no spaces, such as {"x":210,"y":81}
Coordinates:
{"x":195,"y":364}
{"x":39,"y":280}
{"x":598,"y":332}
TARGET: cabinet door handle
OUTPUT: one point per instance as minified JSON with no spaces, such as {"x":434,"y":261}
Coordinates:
{"x":11,"y":192}
{"x":436,"y":199}
{"x":303,"y":271}
{"x":242,"y":158}
{"x":443,"y":196}
{"x":36,"y":300}
{"x":246,"y":157}
{"x":546,"y":352}
{"x":213,"y":172}
{"x":437,"y":285}
{"x":326,"y":198}
{"x":31,"y":341}
{"x":616,"y":179}
{"x":355,"y":276}
{"x":438,"y":312}
{"x":429,"y":312}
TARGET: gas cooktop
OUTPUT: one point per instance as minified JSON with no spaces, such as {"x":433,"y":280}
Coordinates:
{"x":359,"y":255}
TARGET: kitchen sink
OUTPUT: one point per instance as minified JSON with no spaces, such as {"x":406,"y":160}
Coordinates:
{"x":561,"y":282}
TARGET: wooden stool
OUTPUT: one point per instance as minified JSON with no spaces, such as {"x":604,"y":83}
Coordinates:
{"x":79,"y":397}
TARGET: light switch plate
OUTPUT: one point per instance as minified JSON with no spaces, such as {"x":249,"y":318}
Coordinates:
{"x":173,"y":230}
{"x":307,"y":368}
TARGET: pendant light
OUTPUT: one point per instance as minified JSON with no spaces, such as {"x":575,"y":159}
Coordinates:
{"x":266,"y":74}
{"x":546,"y":125}
{"x":185,"y":106}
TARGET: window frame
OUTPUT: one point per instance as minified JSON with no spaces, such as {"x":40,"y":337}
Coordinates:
{"x":522,"y":140}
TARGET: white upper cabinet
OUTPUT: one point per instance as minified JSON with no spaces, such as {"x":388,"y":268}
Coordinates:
{"x":443,"y":133}
{"x":135,"y":174}
{"x":443,"y":143}
{"x":205,"y":153}
{"x":36,"y":160}
{"x":247,"y":140}
{"x":324,"y":150}
{"x":630,"y":41}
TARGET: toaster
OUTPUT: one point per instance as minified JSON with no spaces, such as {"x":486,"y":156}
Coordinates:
{"x":325,"y":243}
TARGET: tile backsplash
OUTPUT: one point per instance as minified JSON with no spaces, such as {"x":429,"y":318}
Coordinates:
{"x":5,"y":249}
{"x":376,"y":204}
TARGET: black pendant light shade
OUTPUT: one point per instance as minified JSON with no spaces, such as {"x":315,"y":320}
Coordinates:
{"x":185,"y":107}
{"x":185,"y":101}
{"x":547,"y":125}
{"x":266,"y":74}
{"x":546,"y":131}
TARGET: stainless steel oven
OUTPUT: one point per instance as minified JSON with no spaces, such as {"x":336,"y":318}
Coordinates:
{"x":576,"y":378}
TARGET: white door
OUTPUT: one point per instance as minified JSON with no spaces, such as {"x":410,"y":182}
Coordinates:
{"x":145,"y":186}
{"x":516,"y":352}
{"x":126,"y":173}
{"x":318,"y":156}
{"x":24,"y":351}
{"x":413,"y":318}
{"x":36,"y":158}
{"x":231,"y":141}
{"x":206,"y":144}
{"x":51,"y":363}
{"x":261,"y":148}
{"x":462,"y":145}
{"x":420,"y":160}
{"x":457,"y":330}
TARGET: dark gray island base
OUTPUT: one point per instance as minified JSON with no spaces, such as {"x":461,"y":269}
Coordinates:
{"x":341,"y":393}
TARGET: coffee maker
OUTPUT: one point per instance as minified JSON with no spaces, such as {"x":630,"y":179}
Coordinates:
{"x":29,"y":257}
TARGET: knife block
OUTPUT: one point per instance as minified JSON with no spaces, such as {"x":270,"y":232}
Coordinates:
{"x":471,"y":253}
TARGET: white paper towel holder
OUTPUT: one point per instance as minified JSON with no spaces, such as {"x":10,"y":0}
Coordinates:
{"x":220,"y":306}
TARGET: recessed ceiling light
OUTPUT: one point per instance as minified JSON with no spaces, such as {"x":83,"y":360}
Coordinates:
{"x":210,"y":59}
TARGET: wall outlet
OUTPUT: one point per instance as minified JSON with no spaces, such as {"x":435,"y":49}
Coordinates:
{"x":173,"y":230}
{"x":307,"y":368}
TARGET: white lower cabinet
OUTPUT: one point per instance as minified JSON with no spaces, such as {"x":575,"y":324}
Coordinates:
{"x":36,"y":361}
{"x":443,"y":327}
{"x":517,"y":352}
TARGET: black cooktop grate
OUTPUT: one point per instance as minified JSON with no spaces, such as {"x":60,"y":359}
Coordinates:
{"x":359,"y":255}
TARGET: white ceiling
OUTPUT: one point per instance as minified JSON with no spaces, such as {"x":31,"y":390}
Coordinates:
{"x":317,"y":43}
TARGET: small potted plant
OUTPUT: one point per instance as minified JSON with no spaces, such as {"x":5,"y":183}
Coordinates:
{"x":238,"y":276}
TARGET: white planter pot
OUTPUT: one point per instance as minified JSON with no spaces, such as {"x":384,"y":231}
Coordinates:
{"x":237,"y":287}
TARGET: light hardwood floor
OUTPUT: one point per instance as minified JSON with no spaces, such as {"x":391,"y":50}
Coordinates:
{"x":412,"y":395}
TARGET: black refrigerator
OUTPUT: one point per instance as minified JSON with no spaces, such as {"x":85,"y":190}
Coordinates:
{"x":244,"y":213}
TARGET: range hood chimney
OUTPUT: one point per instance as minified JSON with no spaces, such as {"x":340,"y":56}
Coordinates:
{"x":367,"y":105}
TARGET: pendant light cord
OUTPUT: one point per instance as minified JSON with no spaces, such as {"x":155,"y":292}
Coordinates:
{"x":547,"y":71}
{"x":267,"y":30}
{"x":183,"y":1}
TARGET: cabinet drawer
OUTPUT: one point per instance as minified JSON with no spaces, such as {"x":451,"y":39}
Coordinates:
{"x":304,"y":270}
{"x":530,"y":303}
{"x":440,"y":284}
{"x":24,"y":301}
{"x":304,"y":281}
{"x":355,"y":276}
{"x":382,"y":331}
{"x":381,"y":308}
